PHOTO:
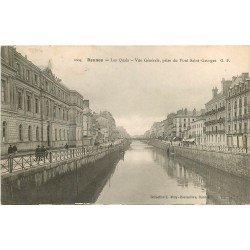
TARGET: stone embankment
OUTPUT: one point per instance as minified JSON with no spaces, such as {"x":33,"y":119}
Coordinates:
{"x":235,"y":163}
{"x":46,"y":172}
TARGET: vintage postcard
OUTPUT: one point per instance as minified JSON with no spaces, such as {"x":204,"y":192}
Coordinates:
{"x":125,"y":125}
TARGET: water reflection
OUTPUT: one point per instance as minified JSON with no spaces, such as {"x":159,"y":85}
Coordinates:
{"x":148,"y":176}
{"x":81,"y":186}
{"x":141,"y":175}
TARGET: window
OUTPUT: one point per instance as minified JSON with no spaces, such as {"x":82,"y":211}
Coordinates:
{"x":29,"y":133}
{"x":67,"y":115}
{"x":36,"y":106}
{"x":240,"y":102}
{"x":46,"y":85}
{"x":36,"y":79}
{"x":235,"y":126}
{"x":19,"y":99}
{"x":20,"y":132}
{"x":18,"y":67}
{"x":63,"y":114}
{"x":60,"y":135}
{"x":27,"y":74}
{"x":235,"y":104}
{"x":59,"y":113}
{"x":37,"y":133}
{"x":3,"y":91}
{"x":54,"y":111}
{"x":64,"y":134}
{"x":28,"y":103}
{"x":47,"y":108}
{"x":229,"y":128}
{"x":56,"y":134}
{"x":245,"y":101}
{"x":4,"y":128}
{"x":245,"y":127}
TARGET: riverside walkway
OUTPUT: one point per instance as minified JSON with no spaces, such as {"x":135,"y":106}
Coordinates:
{"x":13,"y":163}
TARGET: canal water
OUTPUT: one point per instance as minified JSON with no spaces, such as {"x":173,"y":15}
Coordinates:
{"x":140,"y":175}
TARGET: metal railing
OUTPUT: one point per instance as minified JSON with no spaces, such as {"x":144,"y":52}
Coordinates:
{"x":221,"y":148}
{"x":12,"y":162}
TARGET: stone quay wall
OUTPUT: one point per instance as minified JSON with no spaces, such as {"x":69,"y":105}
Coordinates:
{"x":44,"y":173}
{"x":235,"y":163}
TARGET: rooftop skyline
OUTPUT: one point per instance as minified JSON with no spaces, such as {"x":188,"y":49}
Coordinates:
{"x":138,"y":94}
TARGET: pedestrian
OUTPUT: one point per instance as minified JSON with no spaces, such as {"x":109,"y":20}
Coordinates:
{"x":66,"y":146}
{"x":168,"y":151}
{"x":43,"y":151}
{"x":10,"y":150}
{"x":46,"y":152}
{"x":14,"y":149}
{"x":38,"y":153}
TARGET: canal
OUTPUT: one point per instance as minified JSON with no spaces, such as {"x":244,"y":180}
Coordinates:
{"x":140,"y":175}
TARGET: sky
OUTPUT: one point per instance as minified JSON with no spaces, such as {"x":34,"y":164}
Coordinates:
{"x":141,"y":93}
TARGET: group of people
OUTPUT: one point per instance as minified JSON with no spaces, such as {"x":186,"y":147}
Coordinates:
{"x":12,"y":150}
{"x":41,"y":152}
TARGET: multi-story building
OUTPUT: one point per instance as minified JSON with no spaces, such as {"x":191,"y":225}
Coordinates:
{"x":157,"y":130}
{"x":238,"y":112}
{"x":215,"y":116}
{"x":170,"y":127}
{"x":37,"y":108}
{"x":182,"y":121}
{"x":197,"y":130}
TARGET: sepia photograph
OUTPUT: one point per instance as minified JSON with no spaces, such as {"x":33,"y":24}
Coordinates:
{"x":125,"y":124}
{"x":134,"y":125}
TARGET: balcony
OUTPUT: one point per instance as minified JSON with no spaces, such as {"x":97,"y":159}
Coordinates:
{"x":221,"y":108}
{"x":211,"y":122}
{"x":213,"y":111}
{"x":245,"y":116}
{"x":221,"y":131}
{"x":215,"y":132}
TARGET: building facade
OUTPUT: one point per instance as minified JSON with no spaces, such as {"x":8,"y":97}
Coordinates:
{"x":197,"y":130}
{"x":170,"y":127}
{"x":182,"y":122}
{"x":215,"y":116}
{"x":37,"y":108}
{"x":238,"y":112}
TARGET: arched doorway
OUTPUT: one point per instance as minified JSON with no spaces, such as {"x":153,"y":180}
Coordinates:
{"x":48,"y":135}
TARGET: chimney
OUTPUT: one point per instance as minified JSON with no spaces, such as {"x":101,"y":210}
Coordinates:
{"x":86,"y":103}
{"x":234,"y":78}
{"x":214,"y":92}
{"x":244,"y":76}
{"x":194,"y":112}
{"x":225,"y":85}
